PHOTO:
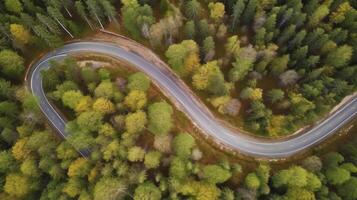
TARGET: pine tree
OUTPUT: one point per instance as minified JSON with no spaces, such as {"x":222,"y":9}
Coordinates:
{"x":236,"y":15}
{"x":249,"y":12}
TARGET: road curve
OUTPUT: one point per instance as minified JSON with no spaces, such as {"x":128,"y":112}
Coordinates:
{"x":248,"y":145}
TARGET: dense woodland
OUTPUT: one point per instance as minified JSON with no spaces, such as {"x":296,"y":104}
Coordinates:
{"x":225,"y":50}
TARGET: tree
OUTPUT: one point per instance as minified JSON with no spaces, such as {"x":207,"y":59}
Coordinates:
{"x":12,"y":65}
{"x":337,"y":175}
{"x":82,"y":12}
{"x":89,"y":75}
{"x":20,"y":33}
{"x":136,"y":154}
{"x":7,"y":162}
{"x":20,"y":151}
{"x":73,"y":187}
{"x":152,"y":159}
{"x":103,"y":106}
{"x":192,"y":9}
{"x":251,"y":93}
{"x":138,"y":81}
{"x":260,"y":35}
{"x":232,"y":46}
{"x":300,"y":105}
{"x":296,"y":177}
{"x":147,"y":191}
{"x":279,"y":65}
{"x":249,"y":12}
{"x":200,"y":190}
{"x":105,"y":89}
{"x":160,"y":118}
{"x":288,"y":77}
{"x":109,"y":188}
{"x":14,"y":6}
{"x":17,"y":185}
{"x":237,"y":12}
{"x":72,"y":98}
{"x":312,"y":163}
{"x":56,"y":14}
{"x":270,"y":23}
{"x":318,"y":15}
{"x":209,"y":77}
{"x":252,"y":181}
{"x":78,"y":168}
{"x":90,"y":120}
{"x":216,"y":11}
{"x":183,"y":145}
{"x":299,"y":193}
{"x":95,"y":11}
{"x":240,"y":69}
{"x":6,"y":90}
{"x":135,"y":122}
{"x":108,"y":10}
{"x":51,"y":40}
{"x":178,"y":53}
{"x":209,"y":48}
{"x":275,"y":95}
{"x":215,"y":174}
{"x":49,"y":23}
{"x":189,"y":30}
{"x":135,"y":100}
{"x":347,"y":190}
{"x":178,"y":168}
{"x":339,"y":57}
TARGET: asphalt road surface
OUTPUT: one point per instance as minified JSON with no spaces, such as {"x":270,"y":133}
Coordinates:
{"x":248,"y":145}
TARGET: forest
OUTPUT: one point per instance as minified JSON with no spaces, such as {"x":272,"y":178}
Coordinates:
{"x":269,"y":67}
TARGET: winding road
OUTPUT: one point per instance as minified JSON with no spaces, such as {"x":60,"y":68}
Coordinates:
{"x":221,"y":134}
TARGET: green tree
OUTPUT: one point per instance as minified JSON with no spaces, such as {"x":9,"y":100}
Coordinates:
{"x":135,"y":100}
{"x":215,"y":174}
{"x":240,"y":69}
{"x":12,"y":65}
{"x":279,"y":65}
{"x":209,"y":48}
{"x":183,"y":145}
{"x":178,"y":53}
{"x":189,"y":30}
{"x":249,"y":12}
{"x":192,"y":9}
{"x":339,"y":57}
{"x":152,"y":159}
{"x":136,"y":154}
{"x":17,"y":185}
{"x":236,"y":15}
{"x":347,"y":190}
{"x":337,"y":175}
{"x":109,"y":188}
{"x":90,"y":120}
{"x":252,"y":181}
{"x":135,"y":122}
{"x":147,"y":191}
{"x":138,"y":81}
{"x":82,"y":12}
{"x":7,"y":162}
{"x":178,"y":168}
{"x":318,"y":15}
{"x":14,"y":6}
{"x":160,"y":118}
{"x":72,"y":98}
{"x":275,"y":95}
{"x":105,"y":89}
